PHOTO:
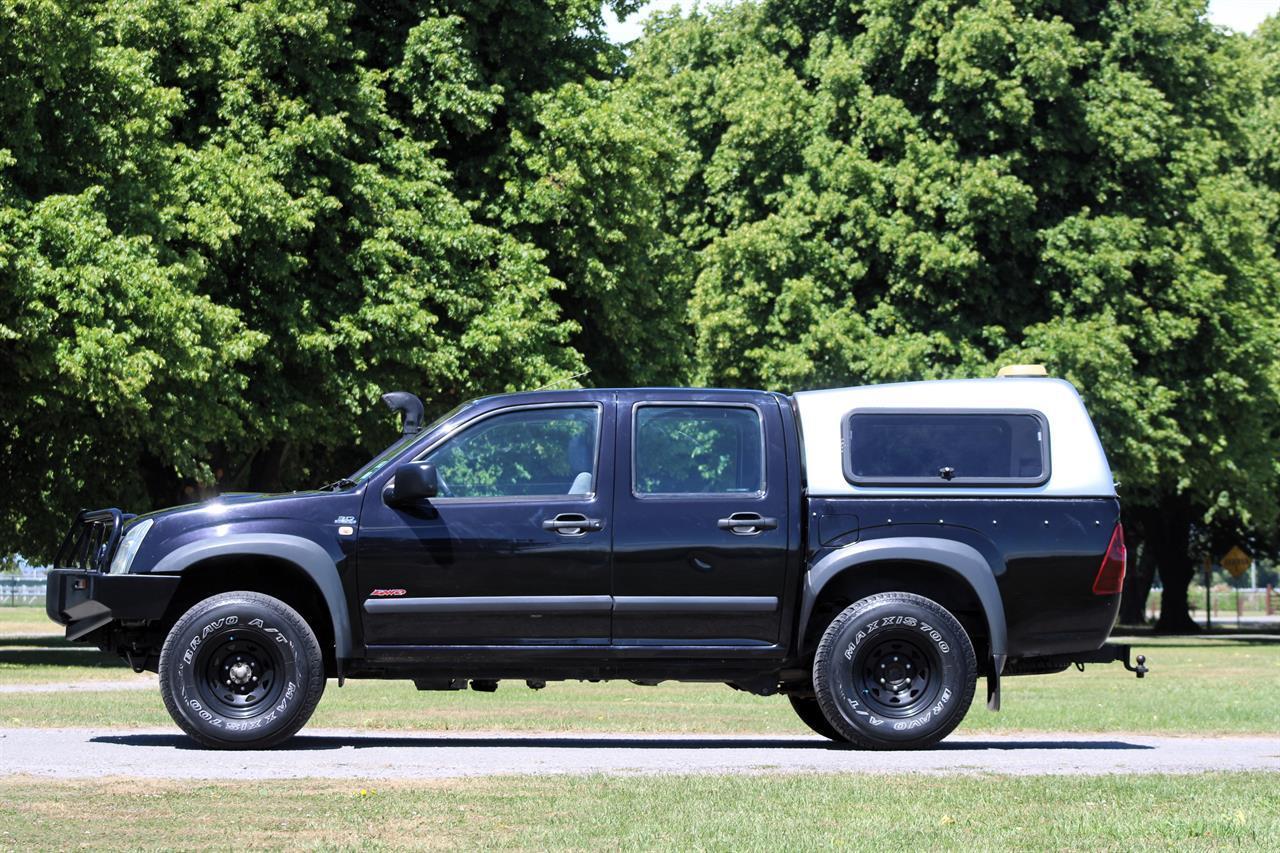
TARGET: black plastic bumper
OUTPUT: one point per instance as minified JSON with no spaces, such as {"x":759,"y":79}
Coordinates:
{"x":85,"y":601}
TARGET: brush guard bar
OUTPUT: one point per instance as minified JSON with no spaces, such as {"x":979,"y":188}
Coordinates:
{"x":92,"y":540}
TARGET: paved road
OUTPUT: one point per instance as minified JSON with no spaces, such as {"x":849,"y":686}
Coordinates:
{"x":361,"y":755}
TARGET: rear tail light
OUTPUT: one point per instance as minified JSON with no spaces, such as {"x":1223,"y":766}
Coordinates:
{"x":1110,"y":579}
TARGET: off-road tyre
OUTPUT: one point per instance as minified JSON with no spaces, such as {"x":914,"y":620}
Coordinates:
{"x":924,"y":657}
{"x":241,"y":670}
{"x":810,"y":713}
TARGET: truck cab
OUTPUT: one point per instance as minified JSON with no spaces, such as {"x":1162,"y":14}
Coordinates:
{"x":868,"y":552}
{"x":637,"y":523}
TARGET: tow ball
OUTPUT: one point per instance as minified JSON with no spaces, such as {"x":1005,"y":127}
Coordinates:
{"x":1141,"y":669}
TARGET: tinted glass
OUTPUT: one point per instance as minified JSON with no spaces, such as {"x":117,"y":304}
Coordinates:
{"x":529,"y":452}
{"x":945,"y":447}
{"x":698,"y":450}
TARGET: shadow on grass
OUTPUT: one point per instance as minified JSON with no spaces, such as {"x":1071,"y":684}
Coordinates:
{"x":91,"y":658}
{"x":307,"y":743}
{"x":1143,"y":644}
{"x":48,"y":641}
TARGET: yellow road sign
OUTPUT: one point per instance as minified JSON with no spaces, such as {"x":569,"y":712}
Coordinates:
{"x":1237,"y":562}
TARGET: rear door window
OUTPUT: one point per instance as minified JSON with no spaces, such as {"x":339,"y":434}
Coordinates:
{"x":946,"y":448}
{"x":698,"y":450}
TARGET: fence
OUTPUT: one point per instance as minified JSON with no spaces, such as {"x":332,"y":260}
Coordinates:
{"x":1226,"y":603}
{"x":15,"y":591}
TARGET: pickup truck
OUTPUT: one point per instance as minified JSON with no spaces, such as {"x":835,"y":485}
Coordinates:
{"x":867,"y":552}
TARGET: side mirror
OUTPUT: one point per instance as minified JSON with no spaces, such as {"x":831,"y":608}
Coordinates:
{"x":413,"y":481}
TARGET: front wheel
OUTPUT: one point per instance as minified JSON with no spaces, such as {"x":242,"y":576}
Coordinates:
{"x":241,"y":670}
{"x":894,"y":671}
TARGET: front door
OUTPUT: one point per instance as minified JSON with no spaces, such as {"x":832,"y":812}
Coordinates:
{"x":515,"y":548}
{"x":700,"y":530}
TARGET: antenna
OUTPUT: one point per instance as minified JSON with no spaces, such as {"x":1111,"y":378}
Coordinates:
{"x":577,"y":375}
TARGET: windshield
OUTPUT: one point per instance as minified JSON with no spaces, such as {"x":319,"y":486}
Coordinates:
{"x":384,"y":458}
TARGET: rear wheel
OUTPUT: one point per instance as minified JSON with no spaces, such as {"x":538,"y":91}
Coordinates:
{"x":894,"y":671}
{"x":241,"y":670}
{"x":807,"y":709}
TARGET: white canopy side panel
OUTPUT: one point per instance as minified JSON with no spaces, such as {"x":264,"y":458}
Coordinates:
{"x":1077,"y":464}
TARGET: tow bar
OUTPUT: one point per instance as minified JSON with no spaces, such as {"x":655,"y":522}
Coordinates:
{"x":1109,"y":653}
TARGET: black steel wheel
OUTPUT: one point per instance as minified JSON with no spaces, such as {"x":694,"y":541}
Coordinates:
{"x":894,"y":671}
{"x":807,"y":709}
{"x":241,"y":670}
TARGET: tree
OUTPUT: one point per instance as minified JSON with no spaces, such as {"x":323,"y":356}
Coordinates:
{"x":227,"y":227}
{"x":899,"y":190}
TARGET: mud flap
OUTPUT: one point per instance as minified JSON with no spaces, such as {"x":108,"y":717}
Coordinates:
{"x":993,"y":682}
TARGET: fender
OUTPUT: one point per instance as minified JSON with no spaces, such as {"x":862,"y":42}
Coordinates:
{"x":303,"y":553}
{"x":960,"y":559}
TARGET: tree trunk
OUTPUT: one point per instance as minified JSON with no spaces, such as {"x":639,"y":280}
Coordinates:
{"x":1171,"y":543}
{"x":1137,"y":583}
{"x":164,"y":488}
{"x":266,"y":468}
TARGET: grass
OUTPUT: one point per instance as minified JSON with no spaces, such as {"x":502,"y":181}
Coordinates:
{"x":1101,"y":699}
{"x":593,"y":812}
{"x":703,"y":811}
{"x":33,"y":650}
{"x":26,"y":622}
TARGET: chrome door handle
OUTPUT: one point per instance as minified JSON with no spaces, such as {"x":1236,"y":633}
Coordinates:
{"x":746,"y":523}
{"x":572,"y":524}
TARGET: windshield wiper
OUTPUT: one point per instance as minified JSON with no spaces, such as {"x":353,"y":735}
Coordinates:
{"x":344,"y":483}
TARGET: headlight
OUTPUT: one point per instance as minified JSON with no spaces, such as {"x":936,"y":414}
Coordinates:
{"x":129,"y":547}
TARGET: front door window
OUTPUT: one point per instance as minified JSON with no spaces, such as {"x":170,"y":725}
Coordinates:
{"x":541,"y":452}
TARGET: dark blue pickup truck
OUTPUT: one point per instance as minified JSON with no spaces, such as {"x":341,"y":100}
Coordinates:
{"x":868,"y":552}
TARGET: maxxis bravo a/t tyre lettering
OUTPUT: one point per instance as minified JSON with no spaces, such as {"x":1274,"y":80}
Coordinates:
{"x":241,"y":670}
{"x":894,"y":671}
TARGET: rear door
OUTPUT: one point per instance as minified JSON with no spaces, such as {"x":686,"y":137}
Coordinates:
{"x":700,"y":521}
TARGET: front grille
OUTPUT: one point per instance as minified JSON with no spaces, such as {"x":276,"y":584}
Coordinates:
{"x":91,"y":541}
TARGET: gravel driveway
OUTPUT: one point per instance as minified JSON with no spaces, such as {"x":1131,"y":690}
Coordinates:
{"x":340,"y":754}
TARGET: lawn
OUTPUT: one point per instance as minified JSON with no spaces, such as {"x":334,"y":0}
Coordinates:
{"x":26,"y":622}
{"x":1171,"y":700}
{"x":705,"y":811}
{"x":698,"y":812}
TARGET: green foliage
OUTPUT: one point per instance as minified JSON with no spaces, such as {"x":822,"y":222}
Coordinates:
{"x":896,"y":190}
{"x":227,"y":228}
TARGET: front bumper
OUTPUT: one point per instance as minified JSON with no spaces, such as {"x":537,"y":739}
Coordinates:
{"x":84,"y":601}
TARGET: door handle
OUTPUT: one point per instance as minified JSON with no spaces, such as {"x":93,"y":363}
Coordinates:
{"x":572,"y":524}
{"x":746,"y":523}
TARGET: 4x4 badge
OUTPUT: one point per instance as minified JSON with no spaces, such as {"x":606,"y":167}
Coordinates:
{"x":345,"y":519}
